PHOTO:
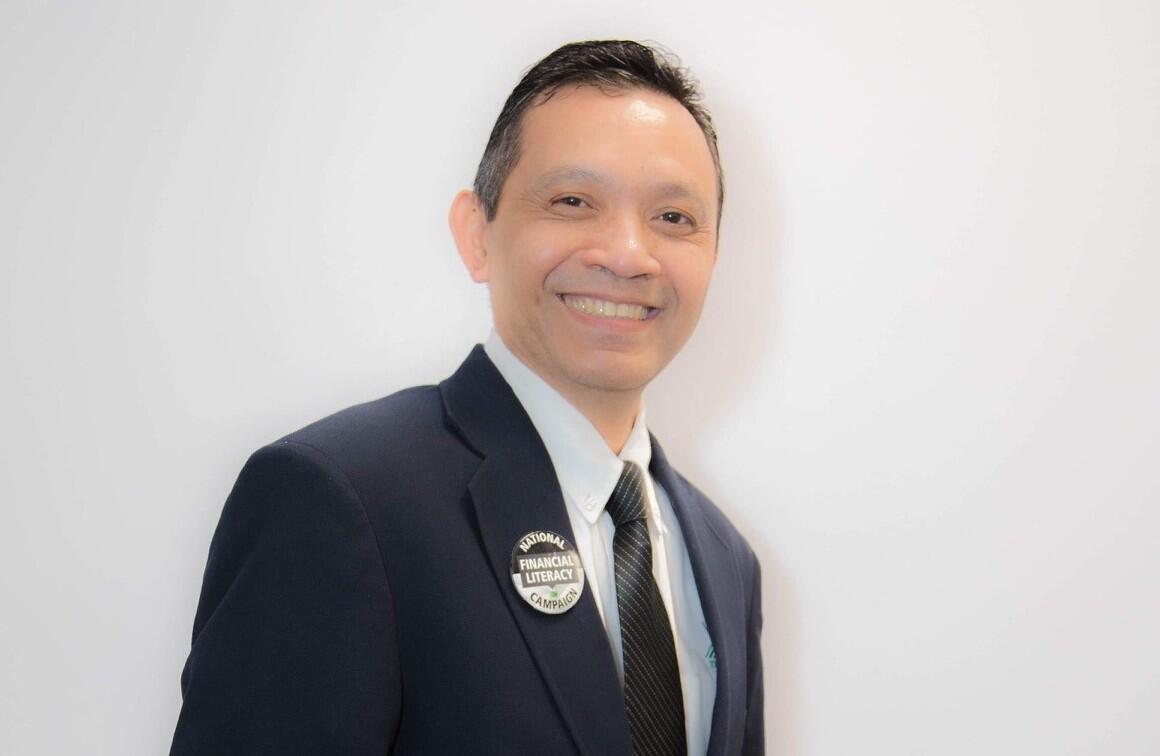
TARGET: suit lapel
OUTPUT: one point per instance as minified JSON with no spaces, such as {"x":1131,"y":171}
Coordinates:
{"x":722,"y":601}
{"x":514,"y":492}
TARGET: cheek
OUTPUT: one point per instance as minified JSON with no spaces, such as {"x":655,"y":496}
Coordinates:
{"x":691,"y":280}
{"x":545,"y":257}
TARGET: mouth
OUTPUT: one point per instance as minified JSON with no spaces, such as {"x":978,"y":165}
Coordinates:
{"x":602,"y":308}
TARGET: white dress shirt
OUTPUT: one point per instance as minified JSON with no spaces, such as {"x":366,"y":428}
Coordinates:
{"x":588,"y":471}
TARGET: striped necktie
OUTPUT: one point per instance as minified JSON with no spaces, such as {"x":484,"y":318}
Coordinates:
{"x":652,"y":679}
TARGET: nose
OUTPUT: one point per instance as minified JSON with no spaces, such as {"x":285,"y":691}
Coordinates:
{"x":623,"y":247}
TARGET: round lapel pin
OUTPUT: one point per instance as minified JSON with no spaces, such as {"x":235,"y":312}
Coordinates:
{"x":546,"y":571}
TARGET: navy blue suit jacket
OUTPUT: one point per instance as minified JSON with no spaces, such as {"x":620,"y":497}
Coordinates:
{"x":357,"y":598}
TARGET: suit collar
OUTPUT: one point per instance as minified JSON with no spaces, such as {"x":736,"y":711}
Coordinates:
{"x":515,"y":491}
{"x":586,"y":468}
{"x":722,"y":601}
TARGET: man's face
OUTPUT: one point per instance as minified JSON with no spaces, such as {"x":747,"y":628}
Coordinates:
{"x":604,"y":239}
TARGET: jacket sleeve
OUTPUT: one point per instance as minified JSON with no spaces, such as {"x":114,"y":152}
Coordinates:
{"x":754,"y":743}
{"x":293,"y":642}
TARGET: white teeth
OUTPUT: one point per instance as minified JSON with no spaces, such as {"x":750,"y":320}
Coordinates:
{"x":606,"y":309}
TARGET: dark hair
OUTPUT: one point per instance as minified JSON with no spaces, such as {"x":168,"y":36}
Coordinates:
{"x":607,"y":64}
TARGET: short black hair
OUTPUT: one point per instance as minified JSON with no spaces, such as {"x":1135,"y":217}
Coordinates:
{"x":607,"y":64}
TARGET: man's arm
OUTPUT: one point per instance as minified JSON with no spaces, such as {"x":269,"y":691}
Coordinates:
{"x":293,"y":643}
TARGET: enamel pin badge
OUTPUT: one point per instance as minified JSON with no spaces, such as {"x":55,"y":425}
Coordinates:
{"x":546,"y":571}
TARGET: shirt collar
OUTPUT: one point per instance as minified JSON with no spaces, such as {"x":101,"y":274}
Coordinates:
{"x":586,"y":467}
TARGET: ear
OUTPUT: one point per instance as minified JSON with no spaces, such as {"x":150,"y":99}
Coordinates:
{"x":468,"y":220}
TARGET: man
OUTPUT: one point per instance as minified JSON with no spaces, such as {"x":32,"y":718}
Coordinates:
{"x":505,"y":563}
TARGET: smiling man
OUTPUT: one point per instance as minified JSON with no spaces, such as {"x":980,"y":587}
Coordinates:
{"x":506,"y":563}
{"x":599,"y":248}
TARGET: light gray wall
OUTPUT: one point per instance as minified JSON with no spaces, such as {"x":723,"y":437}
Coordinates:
{"x":925,"y":384}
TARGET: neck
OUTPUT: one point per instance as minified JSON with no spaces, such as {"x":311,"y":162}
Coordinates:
{"x":611,"y":413}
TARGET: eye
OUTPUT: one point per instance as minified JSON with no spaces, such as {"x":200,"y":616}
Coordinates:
{"x":570,"y":200}
{"x":675,"y":218}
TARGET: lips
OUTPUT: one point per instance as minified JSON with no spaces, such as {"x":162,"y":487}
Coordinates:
{"x":602,"y":308}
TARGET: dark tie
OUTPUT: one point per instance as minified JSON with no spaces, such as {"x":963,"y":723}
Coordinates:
{"x":652,"y":680}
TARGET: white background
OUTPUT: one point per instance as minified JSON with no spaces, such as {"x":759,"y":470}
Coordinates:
{"x":926,"y":383}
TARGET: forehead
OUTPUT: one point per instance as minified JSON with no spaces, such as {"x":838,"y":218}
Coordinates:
{"x":630,"y":134}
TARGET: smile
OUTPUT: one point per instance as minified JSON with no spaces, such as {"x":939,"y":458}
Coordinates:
{"x":604,"y":309}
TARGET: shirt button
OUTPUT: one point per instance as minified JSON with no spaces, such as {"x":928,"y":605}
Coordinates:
{"x":590,"y":503}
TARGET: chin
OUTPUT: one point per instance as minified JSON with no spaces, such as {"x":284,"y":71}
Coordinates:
{"x":615,"y":375}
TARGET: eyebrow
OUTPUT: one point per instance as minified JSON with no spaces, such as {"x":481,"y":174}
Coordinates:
{"x":567,"y":173}
{"x":680,"y":190}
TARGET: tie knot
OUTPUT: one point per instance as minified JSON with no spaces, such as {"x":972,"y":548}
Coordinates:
{"x":627,"y":500}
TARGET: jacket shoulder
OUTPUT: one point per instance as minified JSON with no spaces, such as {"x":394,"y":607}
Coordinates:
{"x":719,"y":522}
{"x":370,"y":439}
{"x":410,"y":409}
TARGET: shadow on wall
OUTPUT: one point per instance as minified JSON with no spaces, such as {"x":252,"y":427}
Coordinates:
{"x":711,"y":377}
